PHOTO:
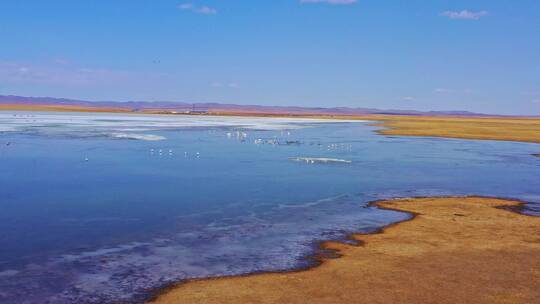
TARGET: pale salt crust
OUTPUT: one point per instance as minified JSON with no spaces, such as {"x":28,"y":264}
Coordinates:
{"x":121,"y":126}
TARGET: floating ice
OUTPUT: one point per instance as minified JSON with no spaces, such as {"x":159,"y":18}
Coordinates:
{"x":7,"y":129}
{"x":320,"y":160}
{"x":147,"y":137}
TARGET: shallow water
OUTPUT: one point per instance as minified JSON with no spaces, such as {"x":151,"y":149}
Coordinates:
{"x":97,"y":208}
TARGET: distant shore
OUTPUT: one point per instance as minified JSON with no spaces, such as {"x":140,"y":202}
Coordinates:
{"x":453,"y":250}
{"x":523,"y":129}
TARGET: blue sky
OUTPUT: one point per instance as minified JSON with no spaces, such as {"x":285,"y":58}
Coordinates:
{"x":428,"y":55}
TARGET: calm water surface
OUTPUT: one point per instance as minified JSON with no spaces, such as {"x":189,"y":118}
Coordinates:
{"x":97,"y":208}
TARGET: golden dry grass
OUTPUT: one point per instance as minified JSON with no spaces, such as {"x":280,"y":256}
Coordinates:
{"x":456,"y":250}
{"x":509,"y":129}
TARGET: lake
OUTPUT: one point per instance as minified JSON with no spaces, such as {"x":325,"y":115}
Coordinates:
{"x":99,"y":208}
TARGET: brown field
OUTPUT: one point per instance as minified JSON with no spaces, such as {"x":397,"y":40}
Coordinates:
{"x":455,"y":250}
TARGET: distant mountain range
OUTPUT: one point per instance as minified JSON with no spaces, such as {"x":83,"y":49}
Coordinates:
{"x":14,"y":102}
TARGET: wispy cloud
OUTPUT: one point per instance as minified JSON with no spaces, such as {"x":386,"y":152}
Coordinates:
{"x":442,"y":90}
{"x":530,"y":93}
{"x":333,"y":2}
{"x":230,"y":85}
{"x":205,"y":10}
{"x":465,"y":14}
{"x":60,"y":73}
{"x":61,"y":61}
{"x":408,"y":98}
{"x":185,"y":6}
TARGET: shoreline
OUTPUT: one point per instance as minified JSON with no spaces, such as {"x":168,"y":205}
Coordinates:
{"x":321,"y":254}
{"x":258,"y":285}
{"x":501,"y":128}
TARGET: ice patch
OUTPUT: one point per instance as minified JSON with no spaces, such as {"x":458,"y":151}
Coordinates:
{"x":7,"y":129}
{"x":101,"y":252}
{"x":147,"y":137}
{"x":320,"y":160}
{"x":121,"y":125}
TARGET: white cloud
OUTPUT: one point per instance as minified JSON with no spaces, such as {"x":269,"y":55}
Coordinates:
{"x":333,"y":2}
{"x":465,"y":14}
{"x":442,"y":90}
{"x":185,"y":6}
{"x":408,"y":98}
{"x":205,"y":10}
